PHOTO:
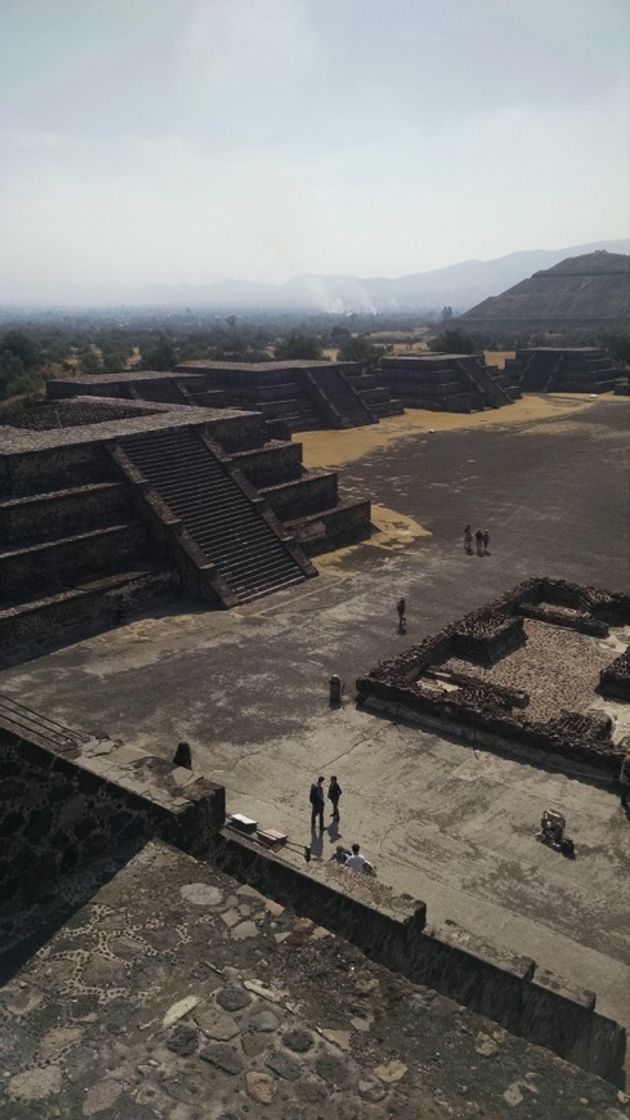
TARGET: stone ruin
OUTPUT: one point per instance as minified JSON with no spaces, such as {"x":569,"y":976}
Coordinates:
{"x":125,"y":857}
{"x":447,"y":680}
{"x":448,"y":382}
{"x":300,"y":395}
{"x":106,"y":503}
{"x":558,"y":369}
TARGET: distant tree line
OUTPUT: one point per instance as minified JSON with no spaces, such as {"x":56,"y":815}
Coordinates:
{"x":34,"y":347}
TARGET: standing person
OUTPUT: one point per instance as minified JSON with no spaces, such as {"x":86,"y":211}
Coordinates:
{"x":468,"y":539}
{"x":401,"y":607}
{"x":479,"y":540}
{"x":486,"y":541}
{"x":334,"y":793}
{"x":183,"y":756}
{"x":316,"y":798}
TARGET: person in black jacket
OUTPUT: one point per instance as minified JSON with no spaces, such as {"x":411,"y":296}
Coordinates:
{"x":316,"y":798}
{"x":334,"y":793}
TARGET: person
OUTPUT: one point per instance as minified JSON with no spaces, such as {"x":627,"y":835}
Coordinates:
{"x":182,"y":756}
{"x":479,"y":540}
{"x":340,"y":855}
{"x":486,"y":541}
{"x":317,"y":803}
{"x":468,"y":539}
{"x":624,"y":778}
{"x":401,"y":607}
{"x":356,"y":862}
{"x":334,"y":793}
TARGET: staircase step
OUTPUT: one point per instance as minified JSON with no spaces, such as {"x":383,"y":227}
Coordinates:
{"x":218,"y":516}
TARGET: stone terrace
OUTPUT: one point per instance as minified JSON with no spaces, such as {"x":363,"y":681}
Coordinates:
{"x":163,"y":989}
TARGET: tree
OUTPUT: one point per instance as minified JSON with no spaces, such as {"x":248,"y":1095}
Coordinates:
{"x":299,"y":346}
{"x":359,"y":349}
{"x":113,"y":360}
{"x":446,"y":313}
{"x":21,"y":345}
{"x":90,"y":361}
{"x":453,"y":342}
{"x":161,"y":356}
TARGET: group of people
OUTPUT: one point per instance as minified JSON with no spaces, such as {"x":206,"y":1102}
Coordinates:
{"x":353,"y":858}
{"x":317,"y":798}
{"x":482,"y":541}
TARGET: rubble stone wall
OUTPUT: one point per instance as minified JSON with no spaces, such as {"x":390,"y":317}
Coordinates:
{"x":57,"y":468}
{"x":480,"y":706}
{"x":59,"y":514}
{"x":61,"y":807}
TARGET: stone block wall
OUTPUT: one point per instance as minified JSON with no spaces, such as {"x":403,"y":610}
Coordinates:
{"x":63,"y":805}
{"x":57,"y":468}
{"x":277,"y":462}
{"x":58,"y":514}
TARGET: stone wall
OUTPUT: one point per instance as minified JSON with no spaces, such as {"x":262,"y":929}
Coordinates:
{"x":480,"y":707}
{"x":505,"y":987}
{"x":277,"y":462}
{"x":615,"y":678}
{"x":28,"y":629}
{"x":56,"y":468}
{"x":58,"y":514}
{"x":64,"y":804}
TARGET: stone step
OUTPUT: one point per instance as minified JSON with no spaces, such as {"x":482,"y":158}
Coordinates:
{"x":225,"y":524}
{"x":49,"y":564}
{"x":77,"y":608}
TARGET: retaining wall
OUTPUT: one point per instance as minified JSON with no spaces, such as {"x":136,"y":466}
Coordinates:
{"x":62,"y":805}
{"x":508,"y":988}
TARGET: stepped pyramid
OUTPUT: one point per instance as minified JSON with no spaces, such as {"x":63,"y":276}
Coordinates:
{"x":587,"y":291}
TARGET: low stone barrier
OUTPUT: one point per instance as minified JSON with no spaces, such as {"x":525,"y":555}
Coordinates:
{"x":64,"y":804}
{"x":506,"y":987}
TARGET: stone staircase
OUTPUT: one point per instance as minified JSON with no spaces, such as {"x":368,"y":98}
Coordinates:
{"x":563,"y":370}
{"x":476,"y":373}
{"x":338,"y":399}
{"x":224,"y":521}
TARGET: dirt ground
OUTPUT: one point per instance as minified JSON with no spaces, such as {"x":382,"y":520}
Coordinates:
{"x":337,"y":448}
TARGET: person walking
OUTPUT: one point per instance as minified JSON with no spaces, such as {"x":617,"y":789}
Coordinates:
{"x":401,"y":607}
{"x":479,"y":541}
{"x":316,"y":798}
{"x":486,"y":541}
{"x":468,"y":539}
{"x":334,"y":793}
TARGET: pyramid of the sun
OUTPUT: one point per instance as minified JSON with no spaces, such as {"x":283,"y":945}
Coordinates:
{"x":588,"y":291}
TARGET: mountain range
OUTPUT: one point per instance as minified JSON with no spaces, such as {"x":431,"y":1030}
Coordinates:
{"x":459,"y":286}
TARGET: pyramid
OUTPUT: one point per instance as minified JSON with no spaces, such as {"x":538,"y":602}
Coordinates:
{"x":587,"y":291}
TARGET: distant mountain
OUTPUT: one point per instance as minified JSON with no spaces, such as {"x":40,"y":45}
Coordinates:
{"x":592,"y":289}
{"x":458,"y":285}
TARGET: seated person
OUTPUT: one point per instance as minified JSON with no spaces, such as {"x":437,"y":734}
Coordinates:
{"x":356,"y":861}
{"x":340,"y":855}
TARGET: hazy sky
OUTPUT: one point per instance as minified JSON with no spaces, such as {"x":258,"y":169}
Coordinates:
{"x":190,"y":140}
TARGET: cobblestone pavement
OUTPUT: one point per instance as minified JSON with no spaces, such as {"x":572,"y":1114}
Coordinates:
{"x":175,"y":994}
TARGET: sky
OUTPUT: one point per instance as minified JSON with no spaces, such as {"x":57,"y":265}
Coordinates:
{"x":188,"y":141}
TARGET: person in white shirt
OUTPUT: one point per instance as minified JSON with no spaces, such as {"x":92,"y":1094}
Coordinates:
{"x":356,"y":861}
